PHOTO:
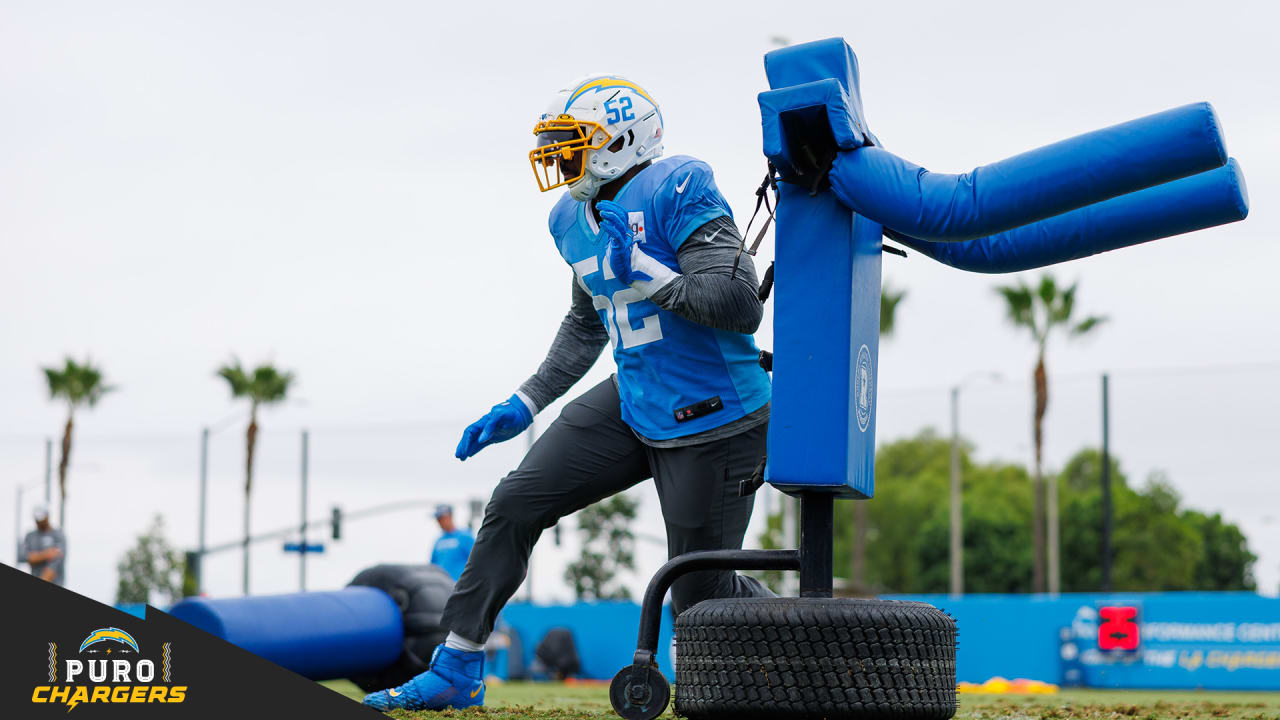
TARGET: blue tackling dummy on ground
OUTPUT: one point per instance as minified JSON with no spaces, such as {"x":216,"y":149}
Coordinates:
{"x":319,"y":635}
{"x":1157,"y":176}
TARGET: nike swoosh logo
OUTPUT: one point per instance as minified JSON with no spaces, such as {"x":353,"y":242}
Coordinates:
{"x":476,"y":692}
{"x":713,"y":235}
{"x":394,"y":693}
{"x":680,"y":188}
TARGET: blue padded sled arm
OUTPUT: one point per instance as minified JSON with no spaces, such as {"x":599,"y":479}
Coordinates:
{"x":1035,"y":185}
{"x":1193,"y":203}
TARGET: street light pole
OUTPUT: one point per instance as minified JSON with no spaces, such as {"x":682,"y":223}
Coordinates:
{"x":204,"y":494}
{"x":48,"y":472}
{"x":1055,"y":535}
{"x":203,"y":549}
{"x":957,"y":489}
{"x":302,"y":545}
{"x":957,"y":531}
{"x":1106,"y":485}
{"x":17,"y":526}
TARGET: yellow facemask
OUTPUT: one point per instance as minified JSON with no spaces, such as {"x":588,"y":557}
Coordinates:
{"x":563,"y":138}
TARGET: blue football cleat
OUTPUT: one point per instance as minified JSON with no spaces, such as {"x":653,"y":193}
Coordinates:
{"x":455,"y":680}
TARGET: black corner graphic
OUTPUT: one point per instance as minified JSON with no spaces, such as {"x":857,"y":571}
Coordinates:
{"x":73,"y":656}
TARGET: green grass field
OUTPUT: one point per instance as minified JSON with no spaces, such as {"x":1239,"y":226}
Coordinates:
{"x":554,"y":701}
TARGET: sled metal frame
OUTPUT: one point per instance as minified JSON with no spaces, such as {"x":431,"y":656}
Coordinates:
{"x":813,"y":559}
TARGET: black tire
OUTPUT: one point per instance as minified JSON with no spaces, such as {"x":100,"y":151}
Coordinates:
{"x":421,"y":591}
{"x":815,"y":658}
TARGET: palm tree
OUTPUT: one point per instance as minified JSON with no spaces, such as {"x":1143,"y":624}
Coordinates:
{"x":1040,"y":311}
{"x":265,"y":386}
{"x":889,"y":300}
{"x":78,"y":385}
{"x":889,"y":308}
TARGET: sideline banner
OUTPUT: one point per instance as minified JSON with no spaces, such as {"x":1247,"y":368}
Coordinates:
{"x":66,"y":653}
{"x":1228,"y":641}
{"x":1169,"y":640}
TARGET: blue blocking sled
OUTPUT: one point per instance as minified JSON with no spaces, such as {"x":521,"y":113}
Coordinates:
{"x":1157,"y":176}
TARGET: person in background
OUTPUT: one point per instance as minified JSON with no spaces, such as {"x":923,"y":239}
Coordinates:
{"x":45,"y":548}
{"x":453,"y":547}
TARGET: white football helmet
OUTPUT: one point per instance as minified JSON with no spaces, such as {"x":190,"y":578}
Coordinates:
{"x":593,"y":132}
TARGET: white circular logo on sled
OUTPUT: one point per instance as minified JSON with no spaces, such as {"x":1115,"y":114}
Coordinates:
{"x":863,"y":388}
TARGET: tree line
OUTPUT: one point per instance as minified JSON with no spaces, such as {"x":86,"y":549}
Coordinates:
{"x":1157,"y":544}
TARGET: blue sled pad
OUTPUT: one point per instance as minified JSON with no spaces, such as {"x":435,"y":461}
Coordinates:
{"x":826,"y":332}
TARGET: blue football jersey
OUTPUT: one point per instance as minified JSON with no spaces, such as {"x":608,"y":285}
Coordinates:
{"x":676,"y":377}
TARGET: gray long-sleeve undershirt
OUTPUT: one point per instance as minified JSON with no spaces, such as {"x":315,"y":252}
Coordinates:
{"x":704,"y":292}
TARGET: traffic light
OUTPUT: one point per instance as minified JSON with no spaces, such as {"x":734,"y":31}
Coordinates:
{"x":191,"y":574}
{"x":335,"y":523}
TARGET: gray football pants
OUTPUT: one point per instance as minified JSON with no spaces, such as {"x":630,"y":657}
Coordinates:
{"x":589,"y":454}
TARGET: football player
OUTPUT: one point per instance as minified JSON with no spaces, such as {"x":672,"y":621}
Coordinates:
{"x":656,"y":274}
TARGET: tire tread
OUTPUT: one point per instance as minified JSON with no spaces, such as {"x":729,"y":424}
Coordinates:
{"x":815,"y":658}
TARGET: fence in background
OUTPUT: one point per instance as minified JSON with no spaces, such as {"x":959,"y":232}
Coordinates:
{"x":1216,"y":641}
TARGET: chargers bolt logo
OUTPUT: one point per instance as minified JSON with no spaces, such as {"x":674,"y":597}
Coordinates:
{"x":106,"y":634}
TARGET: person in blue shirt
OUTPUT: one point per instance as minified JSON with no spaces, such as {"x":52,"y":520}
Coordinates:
{"x":454,"y":545}
{"x":657,"y":273}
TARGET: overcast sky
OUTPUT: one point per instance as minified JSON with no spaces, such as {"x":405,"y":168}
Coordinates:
{"x":343,"y":188}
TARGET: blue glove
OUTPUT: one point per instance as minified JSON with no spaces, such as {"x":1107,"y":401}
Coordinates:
{"x":506,"y":420}
{"x":617,"y":228}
